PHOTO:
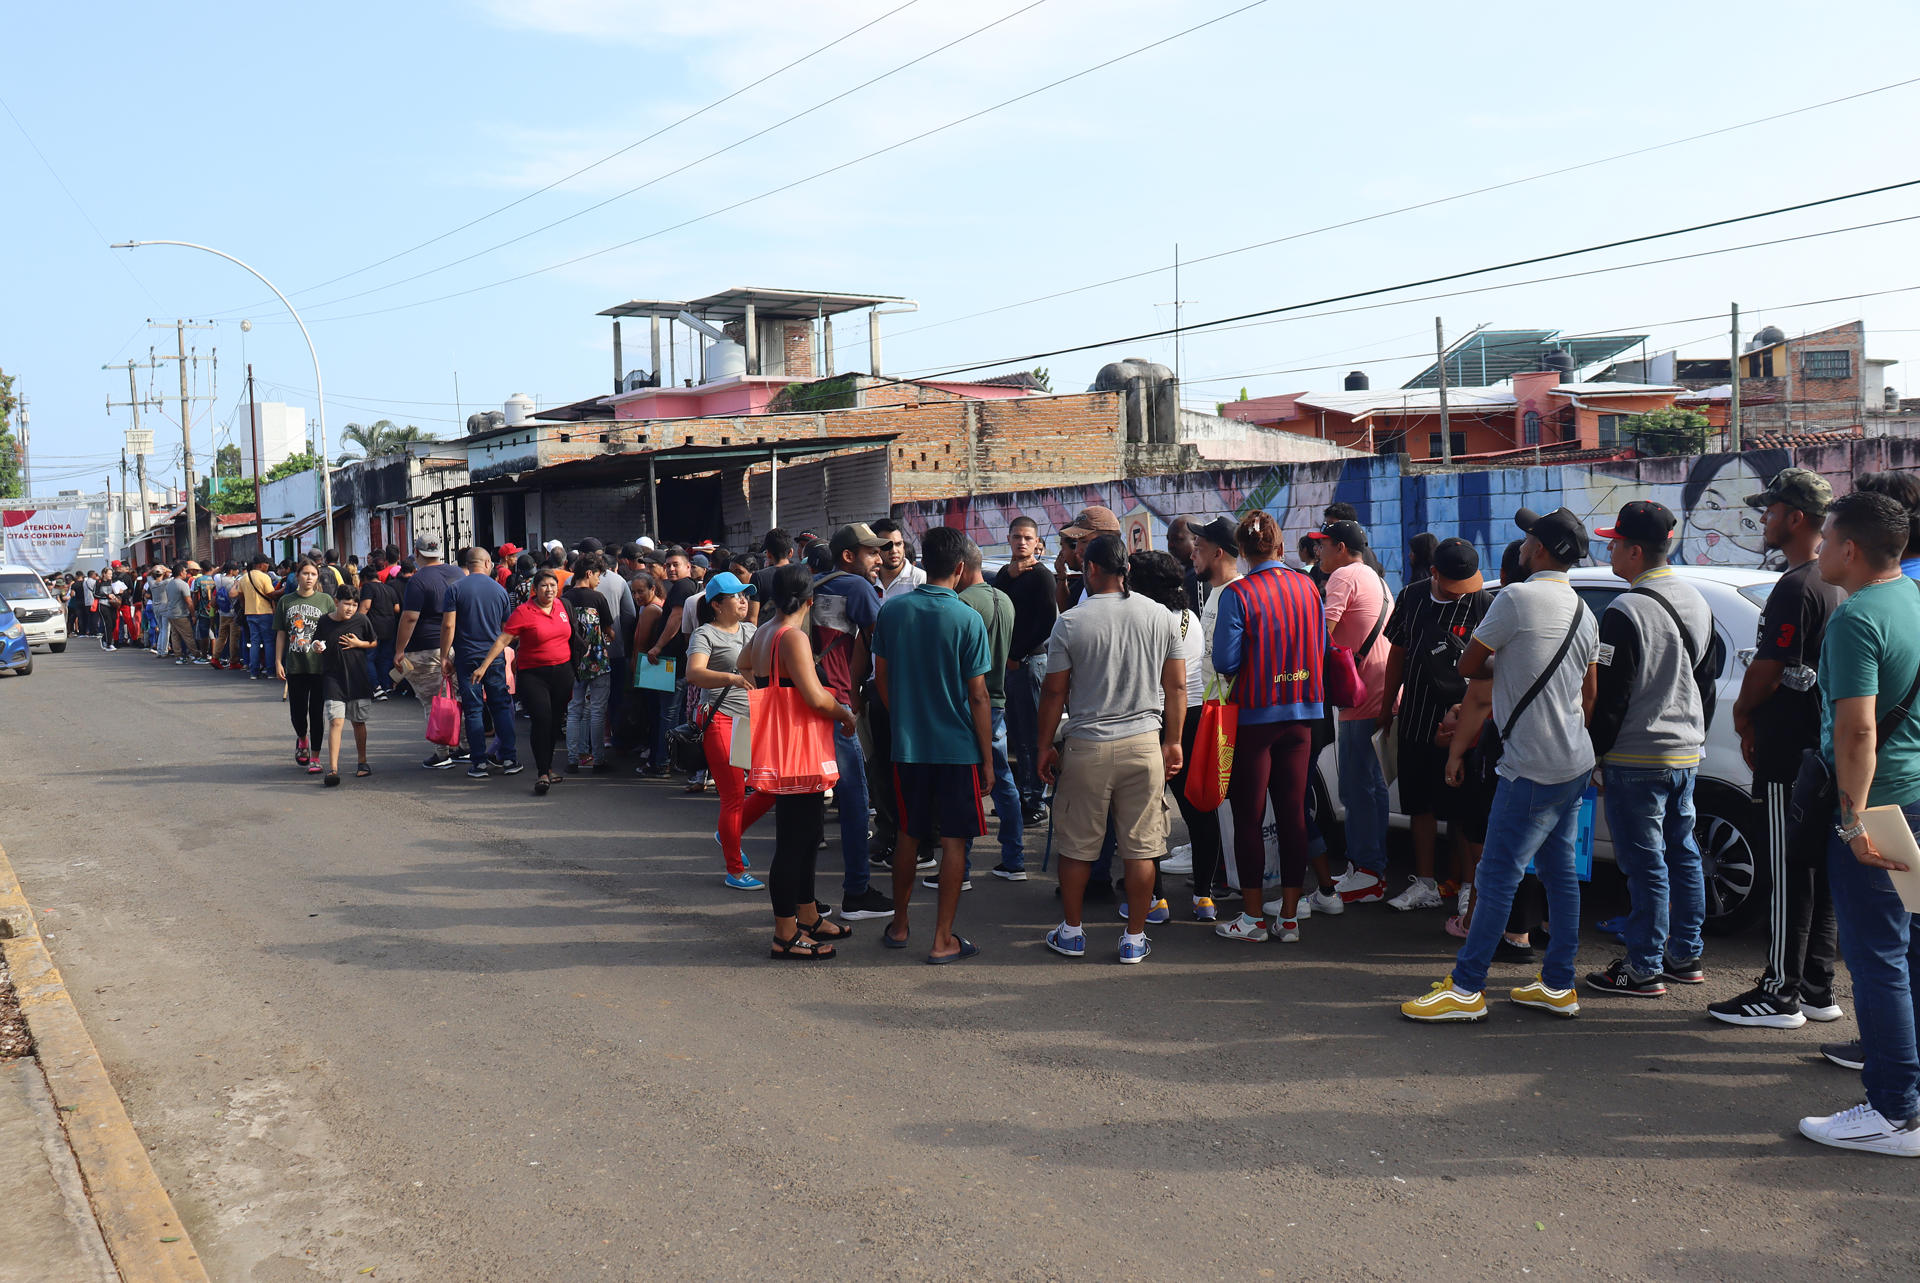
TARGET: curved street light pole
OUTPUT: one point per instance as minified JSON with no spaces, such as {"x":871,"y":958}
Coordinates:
{"x":319,"y":388}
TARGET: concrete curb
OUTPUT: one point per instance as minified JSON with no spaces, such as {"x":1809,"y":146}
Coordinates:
{"x":137,"y":1220}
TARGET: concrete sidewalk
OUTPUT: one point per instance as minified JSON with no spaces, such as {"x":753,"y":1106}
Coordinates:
{"x":49,"y":1234}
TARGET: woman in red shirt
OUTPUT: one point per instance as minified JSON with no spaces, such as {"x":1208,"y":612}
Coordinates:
{"x":543,"y":668}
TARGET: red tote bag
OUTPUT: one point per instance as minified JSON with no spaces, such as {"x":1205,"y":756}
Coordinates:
{"x":443,"y":716}
{"x":792,"y":744}
{"x":1212,"y":766}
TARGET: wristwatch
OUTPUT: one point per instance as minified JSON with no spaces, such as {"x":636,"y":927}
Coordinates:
{"x":1849,"y":834}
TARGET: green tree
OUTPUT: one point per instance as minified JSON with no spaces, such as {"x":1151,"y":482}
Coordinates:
{"x":293,"y":464}
{"x":1668,"y":430}
{"x":236,"y":495}
{"x":226,"y":461}
{"x":383,"y":436}
{"x":1043,"y":377}
{"x":9,"y":448}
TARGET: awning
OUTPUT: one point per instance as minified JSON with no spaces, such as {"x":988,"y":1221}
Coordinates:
{"x":309,"y":522}
{"x":630,"y":466}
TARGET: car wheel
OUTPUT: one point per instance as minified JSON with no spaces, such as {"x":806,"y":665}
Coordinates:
{"x":26,"y":669}
{"x":1320,"y":815}
{"x":57,"y":648}
{"x":1726,"y":827}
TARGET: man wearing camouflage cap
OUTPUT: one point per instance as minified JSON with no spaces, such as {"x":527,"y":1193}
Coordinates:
{"x":1778,"y":719}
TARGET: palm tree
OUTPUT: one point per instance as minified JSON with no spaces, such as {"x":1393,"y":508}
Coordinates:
{"x":382,"y":437}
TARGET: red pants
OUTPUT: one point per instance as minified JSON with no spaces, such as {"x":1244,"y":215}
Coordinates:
{"x":738,"y":812}
{"x":1271,"y":761}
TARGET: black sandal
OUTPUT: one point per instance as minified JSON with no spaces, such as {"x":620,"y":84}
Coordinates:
{"x":364,"y":771}
{"x":801,"y":949}
{"x":836,"y":930}
{"x":541,"y":785}
{"x":333,"y":779}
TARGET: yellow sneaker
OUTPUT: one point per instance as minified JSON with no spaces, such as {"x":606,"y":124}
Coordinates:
{"x":1445,"y":1003}
{"x":1561,"y":1002}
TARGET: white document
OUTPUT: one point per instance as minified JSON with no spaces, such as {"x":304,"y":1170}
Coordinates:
{"x":1893,"y":838}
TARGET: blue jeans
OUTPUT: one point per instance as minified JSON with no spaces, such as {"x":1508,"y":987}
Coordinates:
{"x":850,"y":795}
{"x":380,"y":663}
{"x":1006,"y":803}
{"x":1023,"y":734}
{"x":259,"y":644}
{"x":1363,"y":791}
{"x":662,"y":713}
{"x":587,"y":717}
{"x":493,"y":690}
{"x":1650,"y":815}
{"x":1529,"y":823}
{"x":1881,"y":943}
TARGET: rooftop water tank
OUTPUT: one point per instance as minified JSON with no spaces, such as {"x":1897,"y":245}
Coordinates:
{"x":725,"y":360}
{"x":1357,"y":382}
{"x":519,"y":409}
{"x":485,"y":421}
{"x":1558,"y":359}
{"x":1767,"y":336}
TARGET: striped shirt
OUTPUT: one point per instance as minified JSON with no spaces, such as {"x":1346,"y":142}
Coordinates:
{"x":1420,"y":623}
{"x":1272,"y":634}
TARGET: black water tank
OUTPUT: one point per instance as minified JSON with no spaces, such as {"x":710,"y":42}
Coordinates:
{"x":1557,"y":359}
{"x":1357,"y":382}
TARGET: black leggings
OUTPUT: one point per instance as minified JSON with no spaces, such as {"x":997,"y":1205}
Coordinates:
{"x":305,"y":695}
{"x":545,"y":692}
{"x":797,"y":825}
{"x":1203,"y":827}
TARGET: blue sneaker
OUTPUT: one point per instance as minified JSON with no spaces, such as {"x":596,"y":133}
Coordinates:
{"x":745,"y":863}
{"x":1159,"y":912}
{"x":509,"y":767}
{"x":1074,"y":947}
{"x":1132,"y":951}
{"x":745,"y":882}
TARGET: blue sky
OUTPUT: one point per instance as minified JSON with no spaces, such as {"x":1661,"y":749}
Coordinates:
{"x":314,"y":141}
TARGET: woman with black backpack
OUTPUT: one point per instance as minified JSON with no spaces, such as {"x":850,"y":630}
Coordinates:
{"x":593,"y":627}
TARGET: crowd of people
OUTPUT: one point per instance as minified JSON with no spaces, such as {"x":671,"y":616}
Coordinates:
{"x":1096,"y":692}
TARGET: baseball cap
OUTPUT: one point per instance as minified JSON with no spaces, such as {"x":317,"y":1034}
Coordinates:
{"x":1219,"y":532}
{"x":554,"y":545}
{"x":1092,"y":521}
{"x":856,"y":535}
{"x":705,"y":545}
{"x":426,"y":546}
{"x":1559,"y":532}
{"x":728,"y":582}
{"x":1349,"y":533}
{"x":1456,"y":566}
{"x":1797,"y":488}
{"x":700,"y":559}
{"x":645,"y":541}
{"x":509,"y":549}
{"x":1641,"y":519}
{"x":589,"y":544}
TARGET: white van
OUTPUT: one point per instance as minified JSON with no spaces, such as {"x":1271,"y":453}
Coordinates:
{"x":44,"y":618}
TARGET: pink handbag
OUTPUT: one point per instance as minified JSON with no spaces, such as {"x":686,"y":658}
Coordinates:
{"x":443,"y":716}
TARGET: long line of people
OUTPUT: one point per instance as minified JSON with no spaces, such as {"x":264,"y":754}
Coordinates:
{"x":1097,"y":694}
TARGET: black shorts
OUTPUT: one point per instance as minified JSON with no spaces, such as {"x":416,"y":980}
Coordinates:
{"x":1423,"y":781}
{"x":939,"y":799}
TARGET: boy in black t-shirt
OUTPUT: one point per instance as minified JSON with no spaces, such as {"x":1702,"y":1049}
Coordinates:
{"x":343,"y":638}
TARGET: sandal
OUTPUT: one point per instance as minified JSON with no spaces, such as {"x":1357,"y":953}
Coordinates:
{"x":364,"y":770}
{"x":800,"y":949}
{"x":821,"y":929}
{"x":541,"y":785}
{"x":333,"y":779}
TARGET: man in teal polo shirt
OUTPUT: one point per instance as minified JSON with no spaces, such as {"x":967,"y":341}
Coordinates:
{"x":931,"y":658}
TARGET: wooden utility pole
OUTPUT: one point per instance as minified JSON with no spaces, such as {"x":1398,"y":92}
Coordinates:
{"x":253,"y":417}
{"x":1446,"y":421}
{"x":1733,"y":373}
{"x":140,"y":443}
{"x":180,"y":328}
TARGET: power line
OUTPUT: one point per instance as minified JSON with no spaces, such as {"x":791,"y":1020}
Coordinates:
{"x":1455,"y":276}
{"x":1404,"y":209}
{"x":721,"y":151}
{"x":799,"y":182}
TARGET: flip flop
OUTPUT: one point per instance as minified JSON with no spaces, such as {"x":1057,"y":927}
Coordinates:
{"x":364,"y":770}
{"x":886,"y":938}
{"x":967,"y":950}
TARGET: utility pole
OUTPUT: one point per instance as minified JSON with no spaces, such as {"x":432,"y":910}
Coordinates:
{"x":122,"y":545}
{"x":26,"y":451}
{"x":180,"y":328}
{"x":139,"y":443}
{"x":1446,"y":421}
{"x":253,"y":418}
{"x":1733,"y":371}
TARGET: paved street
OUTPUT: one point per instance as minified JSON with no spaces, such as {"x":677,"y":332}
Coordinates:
{"x":449,"y":1031}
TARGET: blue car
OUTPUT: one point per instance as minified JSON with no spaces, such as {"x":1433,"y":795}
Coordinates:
{"x":15,"y":653}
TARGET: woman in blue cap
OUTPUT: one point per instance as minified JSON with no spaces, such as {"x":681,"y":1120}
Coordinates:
{"x":713,"y":666}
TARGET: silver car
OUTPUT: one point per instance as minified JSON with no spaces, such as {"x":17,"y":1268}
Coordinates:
{"x":1729,"y":824}
{"x":44,"y":618}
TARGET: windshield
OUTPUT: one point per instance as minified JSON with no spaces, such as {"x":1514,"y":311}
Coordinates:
{"x":16,"y":584}
{"x":1757,"y":593}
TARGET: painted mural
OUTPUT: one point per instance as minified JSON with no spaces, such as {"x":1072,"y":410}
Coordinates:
{"x":1707,"y":494}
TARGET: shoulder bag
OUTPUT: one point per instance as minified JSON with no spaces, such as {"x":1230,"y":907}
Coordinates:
{"x":1341,"y":669}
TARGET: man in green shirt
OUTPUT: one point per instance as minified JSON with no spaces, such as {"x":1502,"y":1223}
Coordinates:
{"x":996,"y":612}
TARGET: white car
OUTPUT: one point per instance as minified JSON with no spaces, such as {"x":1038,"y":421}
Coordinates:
{"x":1729,"y":825}
{"x":44,"y":618}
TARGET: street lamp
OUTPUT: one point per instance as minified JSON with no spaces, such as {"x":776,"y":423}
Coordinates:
{"x":319,"y":388}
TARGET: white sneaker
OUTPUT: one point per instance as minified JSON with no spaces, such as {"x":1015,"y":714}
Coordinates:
{"x":1863,"y":1127}
{"x":1357,"y":886}
{"x":1275,"y":907}
{"x":1287,"y":930}
{"x":1179,"y":860}
{"x":1422,"y":893}
{"x":1326,"y":902}
{"x":1832,"y":1011}
{"x":1242,"y":928}
{"x":1465,"y":900}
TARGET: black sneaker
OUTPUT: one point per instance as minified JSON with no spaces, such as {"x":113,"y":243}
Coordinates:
{"x":509,"y":767}
{"x":1620,"y":978}
{"x":1035,"y":814}
{"x":1760,"y":1009}
{"x":438,"y":763}
{"x":1508,"y":951}
{"x":883,"y":862}
{"x":868,"y":904}
{"x":1683,"y":971}
{"x":926,"y":864}
{"x":1847,"y":1055}
{"x":1005,"y":874}
{"x":933,"y":883}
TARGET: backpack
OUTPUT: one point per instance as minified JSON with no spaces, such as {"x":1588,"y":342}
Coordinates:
{"x":588,"y":645}
{"x":223,"y":595}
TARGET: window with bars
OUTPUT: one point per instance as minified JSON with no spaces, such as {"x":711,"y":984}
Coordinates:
{"x":1530,"y":428}
{"x":1433,"y":444}
{"x":1828,"y":365}
{"x":1610,"y":428}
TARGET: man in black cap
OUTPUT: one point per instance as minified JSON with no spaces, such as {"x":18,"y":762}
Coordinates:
{"x":1216,"y":555}
{"x":1427,"y":634}
{"x":1543,"y":686}
{"x":1653,"y":701}
{"x":1777,"y":717}
{"x":1029,"y":585}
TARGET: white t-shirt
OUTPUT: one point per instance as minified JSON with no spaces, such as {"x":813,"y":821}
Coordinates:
{"x":1193,"y":648}
{"x":910,"y":578}
{"x":1209,"y":616}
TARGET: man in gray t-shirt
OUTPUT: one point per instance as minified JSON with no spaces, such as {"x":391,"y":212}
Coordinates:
{"x":172,"y":608}
{"x":1544,"y":768}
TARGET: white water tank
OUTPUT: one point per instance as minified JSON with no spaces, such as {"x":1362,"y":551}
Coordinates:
{"x":725,"y":360}
{"x":519,"y":409}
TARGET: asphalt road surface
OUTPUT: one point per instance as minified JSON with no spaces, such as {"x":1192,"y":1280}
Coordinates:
{"x":450,"y":1031}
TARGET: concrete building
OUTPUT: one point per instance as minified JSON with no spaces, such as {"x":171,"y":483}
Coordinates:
{"x":282,"y":434}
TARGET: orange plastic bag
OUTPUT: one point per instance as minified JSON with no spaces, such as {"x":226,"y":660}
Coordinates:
{"x":1212,"y":765}
{"x":792,"y":748}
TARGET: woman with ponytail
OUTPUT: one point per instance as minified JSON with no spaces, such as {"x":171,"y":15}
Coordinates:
{"x":1271,"y":639}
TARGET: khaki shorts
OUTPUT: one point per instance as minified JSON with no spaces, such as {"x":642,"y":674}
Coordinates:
{"x":1122,"y":778}
{"x":352,"y":710}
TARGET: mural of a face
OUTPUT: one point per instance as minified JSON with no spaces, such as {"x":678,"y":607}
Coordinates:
{"x":1716,"y":526}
